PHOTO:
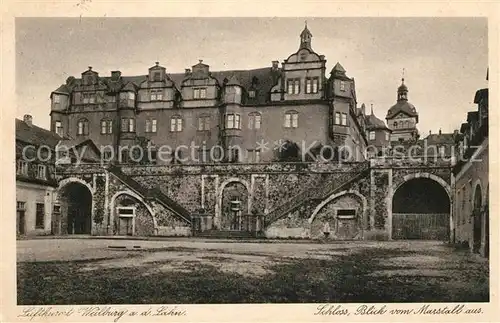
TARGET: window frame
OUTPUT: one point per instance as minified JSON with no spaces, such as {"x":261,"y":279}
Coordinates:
{"x":344,"y":119}
{"x":22,"y":167}
{"x":150,"y":125}
{"x":204,"y":122}
{"x":199,"y":93}
{"x":293,"y":86}
{"x":82,"y":127}
{"x":312,"y":85}
{"x":342,"y":86}
{"x":156,"y":95}
{"x":371,"y":135}
{"x":291,"y":119}
{"x":254,"y":120}
{"x":232,"y":121}
{"x":57,"y":98}
{"x":176,"y":123}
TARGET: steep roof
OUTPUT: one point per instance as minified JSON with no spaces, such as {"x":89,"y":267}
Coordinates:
{"x":35,"y":135}
{"x":440,"y":139}
{"x":261,"y":79}
{"x":374,"y":123}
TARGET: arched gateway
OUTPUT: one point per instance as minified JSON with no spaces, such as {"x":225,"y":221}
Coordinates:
{"x":76,"y":208}
{"x":421,"y":210}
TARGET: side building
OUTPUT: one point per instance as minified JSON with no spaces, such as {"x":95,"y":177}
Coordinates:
{"x":35,"y":178}
{"x":471,"y":215}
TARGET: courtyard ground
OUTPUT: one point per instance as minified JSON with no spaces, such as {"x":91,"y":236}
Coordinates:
{"x":175,"y":271}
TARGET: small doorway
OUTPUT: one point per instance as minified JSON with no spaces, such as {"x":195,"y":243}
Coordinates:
{"x":21,"y":220}
{"x":347,"y":224}
{"x":126,"y":221}
{"x":477,"y":220}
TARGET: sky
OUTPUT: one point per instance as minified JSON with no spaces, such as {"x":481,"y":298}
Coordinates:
{"x":444,"y":59}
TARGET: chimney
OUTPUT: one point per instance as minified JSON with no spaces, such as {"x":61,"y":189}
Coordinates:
{"x":440,"y":131}
{"x":28,"y":119}
{"x":321,"y":57}
{"x":455,"y":132}
{"x":275,"y":65}
{"x":115,"y":75}
{"x":430,"y":132}
{"x":187,"y":71}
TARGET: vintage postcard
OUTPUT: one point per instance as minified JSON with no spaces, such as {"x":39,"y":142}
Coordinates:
{"x":182,"y":162}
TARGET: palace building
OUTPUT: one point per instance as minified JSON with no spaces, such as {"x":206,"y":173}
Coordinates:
{"x":297,"y":102}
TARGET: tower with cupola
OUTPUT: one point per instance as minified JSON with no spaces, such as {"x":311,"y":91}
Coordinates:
{"x":402,"y":118}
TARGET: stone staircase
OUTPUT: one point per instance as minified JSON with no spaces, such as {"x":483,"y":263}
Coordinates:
{"x":324,"y":189}
{"x":153,"y":194}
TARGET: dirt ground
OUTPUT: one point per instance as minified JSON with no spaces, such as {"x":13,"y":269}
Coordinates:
{"x":314,"y":264}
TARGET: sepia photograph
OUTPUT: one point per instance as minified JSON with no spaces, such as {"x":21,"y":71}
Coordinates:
{"x":240,"y":160}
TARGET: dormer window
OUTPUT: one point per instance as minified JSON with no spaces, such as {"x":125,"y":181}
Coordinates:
{"x":88,"y":97}
{"x":342,"y":86}
{"x":293,"y":86}
{"x":156,"y":95}
{"x":312,"y":85}
{"x":251,"y":94}
{"x":157,"y":76}
{"x":199,"y":93}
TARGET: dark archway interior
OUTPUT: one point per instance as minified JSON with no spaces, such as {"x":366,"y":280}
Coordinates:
{"x":421,"y":195}
{"x":79,"y":201}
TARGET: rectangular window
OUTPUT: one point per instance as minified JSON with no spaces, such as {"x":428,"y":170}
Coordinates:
{"x":344,"y":119}
{"x":20,"y":206}
{"x":337,"y":117}
{"x":104,"y":127}
{"x":372,"y":135}
{"x":387,"y":136}
{"x":157,"y":76}
{"x":293,"y":86}
{"x":58,"y":128}
{"x":346,"y":213}
{"x":131,"y":95}
{"x":22,"y":167}
{"x":40,"y":216}
{"x":315,"y":83}
{"x":254,"y":121}
{"x":150,"y":125}
{"x":251,"y":94}
{"x":312,"y":85}
{"x":203,"y":123}
{"x":128,"y":125}
{"x":111,"y":99}
{"x":40,"y":172}
{"x":57,"y":98}
{"x":200,"y":93}
{"x":175,"y":124}
{"x":297,"y":86}
{"x":253,"y":156}
{"x":230,"y":121}
{"x":342,"y":86}
{"x":291,"y":120}
{"x":441,"y":151}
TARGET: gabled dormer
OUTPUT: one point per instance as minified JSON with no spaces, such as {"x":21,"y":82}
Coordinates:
{"x":157,"y":73}
{"x":90,"y":77}
{"x":304,"y":71}
{"x":127,"y":96}
{"x":340,"y":85}
{"x":199,"y":88}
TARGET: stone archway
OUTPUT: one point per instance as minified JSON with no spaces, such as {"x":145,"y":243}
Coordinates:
{"x":234,"y":207}
{"x":343,"y":213}
{"x":421,"y":209}
{"x":130,"y":215}
{"x":76,"y":208}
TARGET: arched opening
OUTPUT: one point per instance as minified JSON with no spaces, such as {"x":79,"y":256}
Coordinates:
{"x":131,"y":216}
{"x":77,"y":207}
{"x":339,"y":219}
{"x":234,"y":207}
{"x":477,"y":219}
{"x":421,"y":210}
